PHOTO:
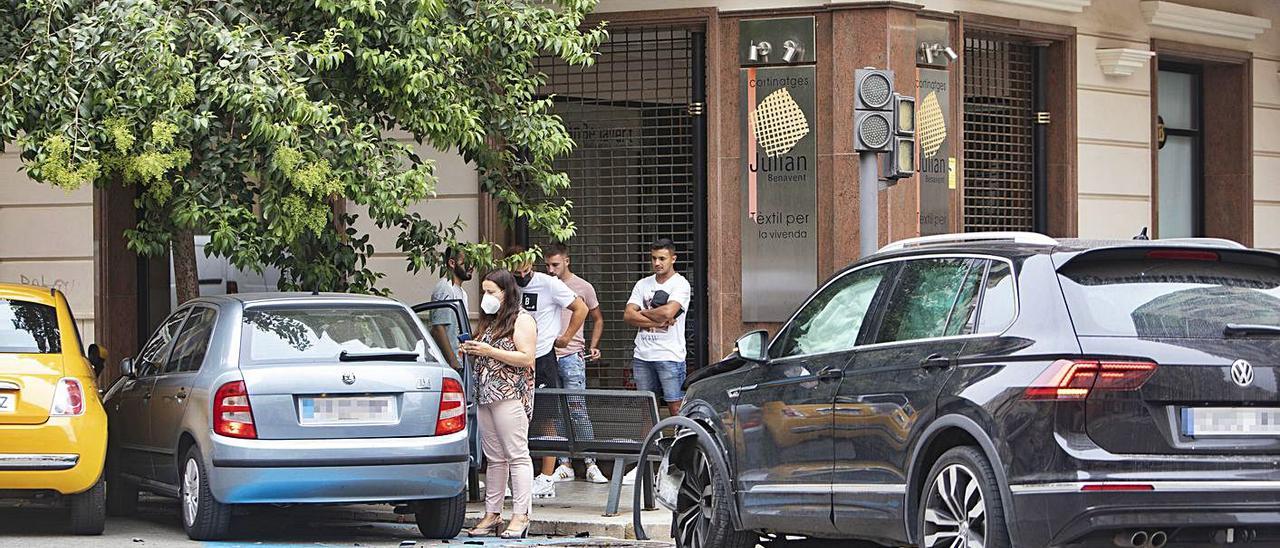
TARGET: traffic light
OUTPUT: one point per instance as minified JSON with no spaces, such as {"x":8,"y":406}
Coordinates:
{"x":902,"y":150}
{"x":901,"y":162}
{"x":873,"y":110}
{"x":884,"y":121}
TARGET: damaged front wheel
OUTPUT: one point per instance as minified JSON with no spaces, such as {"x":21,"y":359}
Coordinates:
{"x":702,"y":518}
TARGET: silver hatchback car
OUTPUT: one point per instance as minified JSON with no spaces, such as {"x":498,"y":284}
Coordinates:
{"x":287,"y":399}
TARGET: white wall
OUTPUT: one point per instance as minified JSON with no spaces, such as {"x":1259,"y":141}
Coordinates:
{"x":457,"y":196}
{"x":1266,"y":149}
{"x":46,"y":238}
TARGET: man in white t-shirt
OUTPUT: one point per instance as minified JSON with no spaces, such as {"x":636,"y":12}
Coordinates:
{"x":546,"y":297}
{"x":658,"y":306}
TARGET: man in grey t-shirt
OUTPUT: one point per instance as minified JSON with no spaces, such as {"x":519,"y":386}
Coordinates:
{"x":444,"y":326}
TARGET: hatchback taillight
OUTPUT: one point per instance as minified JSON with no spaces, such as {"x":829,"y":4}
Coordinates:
{"x":232,"y":416}
{"x":68,"y":399}
{"x":1076,"y":379}
{"x":453,"y":408}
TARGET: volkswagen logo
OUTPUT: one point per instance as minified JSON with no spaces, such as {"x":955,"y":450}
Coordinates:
{"x":1242,"y":372}
{"x":350,"y":378}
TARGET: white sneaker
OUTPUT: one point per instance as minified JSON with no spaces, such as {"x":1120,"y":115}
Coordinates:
{"x":544,"y":487}
{"x":594,"y":475}
{"x":630,"y":478}
{"x":563,"y":473}
{"x":507,"y":493}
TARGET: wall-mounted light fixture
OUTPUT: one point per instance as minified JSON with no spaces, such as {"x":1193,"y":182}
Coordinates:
{"x":937,"y":50}
{"x":759,"y":50}
{"x":791,"y":51}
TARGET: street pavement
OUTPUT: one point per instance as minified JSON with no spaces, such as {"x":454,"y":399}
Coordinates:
{"x":158,"y":525}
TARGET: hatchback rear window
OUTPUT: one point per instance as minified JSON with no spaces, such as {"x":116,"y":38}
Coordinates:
{"x":28,"y":328}
{"x":316,"y":334}
{"x":1169,"y":298}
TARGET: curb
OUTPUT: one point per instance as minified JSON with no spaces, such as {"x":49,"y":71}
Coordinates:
{"x":559,"y":528}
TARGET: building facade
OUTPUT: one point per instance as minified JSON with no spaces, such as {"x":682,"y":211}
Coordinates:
{"x":1076,"y":118}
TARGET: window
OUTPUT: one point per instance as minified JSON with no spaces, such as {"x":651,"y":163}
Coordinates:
{"x":1169,"y":298}
{"x":925,"y":295}
{"x":965,"y":310}
{"x":1180,"y":181}
{"x":190,"y":347}
{"x":831,"y":321}
{"x":153,"y":353}
{"x":999,"y":300}
{"x":1000,"y":166}
{"x":29,"y":328}
{"x":312,"y":334}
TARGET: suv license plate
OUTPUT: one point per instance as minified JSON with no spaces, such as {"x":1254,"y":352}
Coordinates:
{"x":8,"y":402}
{"x":347,"y":410}
{"x":1230,"y":422}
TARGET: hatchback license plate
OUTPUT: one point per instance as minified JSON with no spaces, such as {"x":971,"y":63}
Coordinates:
{"x":1231,"y":422}
{"x":344,"y":410}
{"x":8,"y":402}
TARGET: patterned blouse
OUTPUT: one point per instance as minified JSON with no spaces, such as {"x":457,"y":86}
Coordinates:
{"x":496,"y":381}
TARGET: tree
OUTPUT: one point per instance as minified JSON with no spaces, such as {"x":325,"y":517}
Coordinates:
{"x":256,"y":121}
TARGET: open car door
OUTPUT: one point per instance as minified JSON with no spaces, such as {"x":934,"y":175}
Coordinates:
{"x":445,"y":320}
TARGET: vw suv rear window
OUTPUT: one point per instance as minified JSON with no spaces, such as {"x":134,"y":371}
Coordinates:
{"x":324,"y":334}
{"x":1158,"y":298}
{"x":28,"y":328}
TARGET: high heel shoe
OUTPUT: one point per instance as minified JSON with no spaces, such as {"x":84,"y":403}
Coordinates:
{"x":489,"y":531}
{"x":508,"y":533}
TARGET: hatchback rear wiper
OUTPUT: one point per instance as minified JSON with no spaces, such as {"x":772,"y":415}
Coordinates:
{"x":378,"y":356}
{"x":1239,"y":329}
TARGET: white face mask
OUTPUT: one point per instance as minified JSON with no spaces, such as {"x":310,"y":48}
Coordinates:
{"x":490,"y":304}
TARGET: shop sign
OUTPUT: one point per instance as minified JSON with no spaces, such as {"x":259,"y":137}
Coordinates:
{"x":937,"y":166}
{"x":779,"y":191}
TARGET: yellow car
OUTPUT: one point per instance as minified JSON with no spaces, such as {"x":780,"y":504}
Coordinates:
{"x":53,"y":429}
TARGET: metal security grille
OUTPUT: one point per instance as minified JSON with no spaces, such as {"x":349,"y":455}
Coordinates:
{"x":632,"y":173}
{"x":999,"y":86}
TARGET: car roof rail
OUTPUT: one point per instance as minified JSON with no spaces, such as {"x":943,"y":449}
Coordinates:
{"x":1030,"y":238}
{"x":1213,"y":242}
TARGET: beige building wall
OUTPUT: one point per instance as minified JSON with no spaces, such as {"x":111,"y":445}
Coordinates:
{"x":457,"y":197}
{"x":1114,"y":127}
{"x":1266,"y":147}
{"x":46,"y":238}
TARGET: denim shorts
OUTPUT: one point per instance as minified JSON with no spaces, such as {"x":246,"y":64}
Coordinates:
{"x":664,"y":379}
{"x":573,"y":372}
{"x":573,"y":376}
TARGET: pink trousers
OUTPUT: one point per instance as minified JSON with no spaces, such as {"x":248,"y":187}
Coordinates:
{"x":504,"y":434}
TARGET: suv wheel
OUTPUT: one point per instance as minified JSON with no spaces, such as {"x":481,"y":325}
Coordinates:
{"x":441,"y":518}
{"x":202,"y":517}
{"x":702,"y":518}
{"x":89,"y":510}
{"x":960,"y":504}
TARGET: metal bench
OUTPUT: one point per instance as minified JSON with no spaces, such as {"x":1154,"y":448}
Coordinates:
{"x":602,"y":424}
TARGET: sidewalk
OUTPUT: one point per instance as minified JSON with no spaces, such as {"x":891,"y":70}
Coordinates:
{"x":577,"y":510}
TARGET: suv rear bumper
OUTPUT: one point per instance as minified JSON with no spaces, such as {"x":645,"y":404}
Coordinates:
{"x":1058,"y":513}
{"x":337,"y":471}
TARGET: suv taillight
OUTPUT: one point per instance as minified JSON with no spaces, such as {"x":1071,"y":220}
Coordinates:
{"x":232,"y":416}
{"x":68,"y":399}
{"x":1076,"y":379}
{"x":453,"y":408}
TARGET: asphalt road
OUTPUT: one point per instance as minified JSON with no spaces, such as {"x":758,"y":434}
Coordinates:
{"x":158,"y":525}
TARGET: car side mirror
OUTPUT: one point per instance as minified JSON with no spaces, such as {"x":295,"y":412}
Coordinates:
{"x":126,"y":368}
{"x":97,"y":357}
{"x":754,"y":346}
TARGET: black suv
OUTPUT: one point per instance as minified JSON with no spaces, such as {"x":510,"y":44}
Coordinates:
{"x":998,"y":390}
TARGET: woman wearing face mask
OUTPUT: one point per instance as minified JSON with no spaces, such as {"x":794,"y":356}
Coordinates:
{"x":504,"y":389}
